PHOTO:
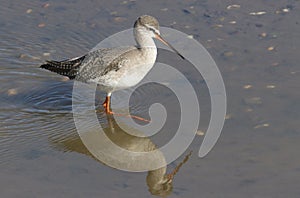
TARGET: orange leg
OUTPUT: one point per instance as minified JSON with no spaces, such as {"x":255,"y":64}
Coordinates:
{"x":106,"y":105}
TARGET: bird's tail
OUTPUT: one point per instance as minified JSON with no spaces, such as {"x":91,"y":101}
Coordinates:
{"x":69,"y":67}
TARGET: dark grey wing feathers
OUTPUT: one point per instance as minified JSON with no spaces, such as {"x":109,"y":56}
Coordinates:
{"x":69,"y":67}
{"x":92,"y":65}
{"x":99,"y":62}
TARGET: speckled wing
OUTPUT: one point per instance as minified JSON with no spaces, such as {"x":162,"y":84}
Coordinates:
{"x":100,"y":62}
{"x":68,"y":67}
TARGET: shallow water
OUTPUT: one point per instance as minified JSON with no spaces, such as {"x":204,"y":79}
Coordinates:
{"x":257,"y":54}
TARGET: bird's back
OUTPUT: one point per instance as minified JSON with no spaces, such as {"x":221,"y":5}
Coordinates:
{"x":99,"y":62}
{"x":111,"y":68}
{"x":93,"y":64}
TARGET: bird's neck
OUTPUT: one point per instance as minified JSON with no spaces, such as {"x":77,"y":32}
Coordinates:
{"x":144,"y":41}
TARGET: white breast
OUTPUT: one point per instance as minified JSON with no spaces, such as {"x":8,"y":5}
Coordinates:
{"x":137,"y":69}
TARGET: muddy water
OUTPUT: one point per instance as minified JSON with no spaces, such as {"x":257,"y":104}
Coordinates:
{"x":255,"y":45}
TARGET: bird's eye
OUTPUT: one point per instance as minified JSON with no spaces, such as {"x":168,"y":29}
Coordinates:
{"x":153,"y":30}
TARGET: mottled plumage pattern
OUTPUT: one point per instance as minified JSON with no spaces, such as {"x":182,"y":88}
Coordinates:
{"x":69,"y":67}
{"x":92,"y":65}
{"x":98,"y":63}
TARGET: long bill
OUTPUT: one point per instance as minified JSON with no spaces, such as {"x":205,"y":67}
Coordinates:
{"x":168,"y":44}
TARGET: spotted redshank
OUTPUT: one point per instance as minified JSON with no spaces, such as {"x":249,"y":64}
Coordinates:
{"x":116,"y":68}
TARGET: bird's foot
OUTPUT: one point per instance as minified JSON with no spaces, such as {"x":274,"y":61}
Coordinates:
{"x":108,"y":111}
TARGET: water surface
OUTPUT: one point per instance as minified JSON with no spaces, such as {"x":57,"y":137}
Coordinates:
{"x":255,"y":45}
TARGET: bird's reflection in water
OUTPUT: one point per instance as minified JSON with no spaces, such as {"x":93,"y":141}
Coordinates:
{"x":159,"y":182}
